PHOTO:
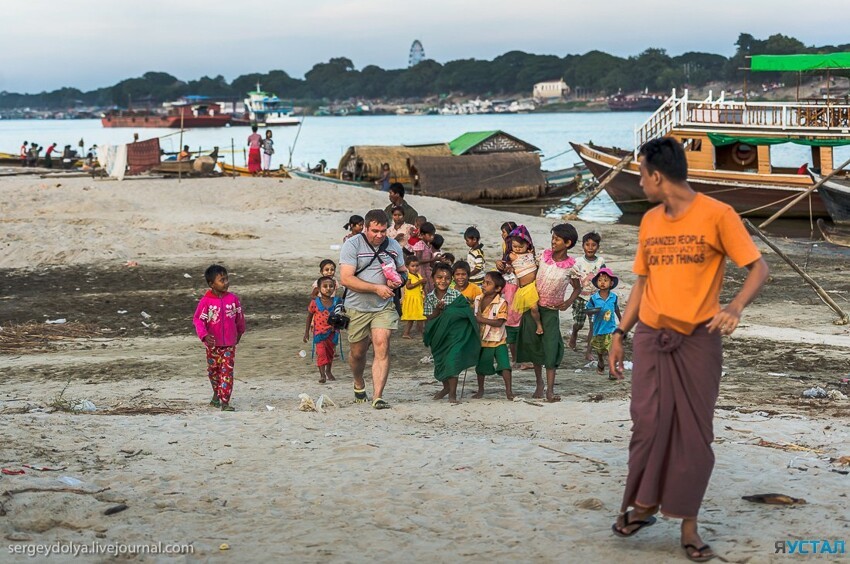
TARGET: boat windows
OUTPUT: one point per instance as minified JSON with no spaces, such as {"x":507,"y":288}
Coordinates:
{"x":692,"y":144}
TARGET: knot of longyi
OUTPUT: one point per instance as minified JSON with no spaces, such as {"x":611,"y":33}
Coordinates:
{"x":668,"y":341}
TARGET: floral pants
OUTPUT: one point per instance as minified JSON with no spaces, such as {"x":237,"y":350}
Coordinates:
{"x":220,"y":371}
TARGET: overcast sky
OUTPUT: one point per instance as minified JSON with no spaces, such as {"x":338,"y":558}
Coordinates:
{"x":86,"y":44}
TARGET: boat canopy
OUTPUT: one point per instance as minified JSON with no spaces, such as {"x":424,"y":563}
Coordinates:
{"x":721,"y":139}
{"x":795,"y":63}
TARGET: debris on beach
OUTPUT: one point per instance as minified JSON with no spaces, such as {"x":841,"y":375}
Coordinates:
{"x":307,"y":403}
{"x":59,"y":321}
{"x":590,"y":503}
{"x":774,"y":499}
{"x":816,"y":392}
{"x":835,"y":395}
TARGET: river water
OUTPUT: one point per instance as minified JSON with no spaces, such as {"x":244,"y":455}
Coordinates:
{"x":328,"y":137}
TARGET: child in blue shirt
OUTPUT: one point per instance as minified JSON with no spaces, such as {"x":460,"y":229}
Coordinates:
{"x":603,"y":305}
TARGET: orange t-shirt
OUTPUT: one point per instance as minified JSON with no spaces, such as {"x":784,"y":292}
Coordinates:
{"x":684,"y":259}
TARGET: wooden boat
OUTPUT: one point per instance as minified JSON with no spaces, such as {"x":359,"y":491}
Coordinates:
{"x":230,"y":170}
{"x":835,"y":193}
{"x":639,"y":103}
{"x":833,"y":234}
{"x":330,"y":179}
{"x":554,"y":197}
{"x":181,"y":114}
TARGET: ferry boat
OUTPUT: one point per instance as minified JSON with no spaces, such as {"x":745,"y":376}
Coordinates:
{"x":265,"y":109}
{"x":728,"y":145}
{"x":189,"y":113}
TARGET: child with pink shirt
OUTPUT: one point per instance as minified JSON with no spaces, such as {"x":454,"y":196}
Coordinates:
{"x":220,"y":324}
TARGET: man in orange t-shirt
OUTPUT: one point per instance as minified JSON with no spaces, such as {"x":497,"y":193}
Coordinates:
{"x":677,"y":352}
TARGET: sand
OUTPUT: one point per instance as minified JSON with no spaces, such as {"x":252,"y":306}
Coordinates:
{"x":483,"y":480}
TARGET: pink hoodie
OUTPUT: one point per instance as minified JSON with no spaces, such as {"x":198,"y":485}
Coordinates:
{"x":220,"y":317}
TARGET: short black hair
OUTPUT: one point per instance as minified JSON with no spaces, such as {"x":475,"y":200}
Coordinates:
{"x":497,"y":278}
{"x":427,"y":227}
{"x":508,"y":226}
{"x":376,"y":216}
{"x":471,"y":233}
{"x":448,"y":258}
{"x":397,"y":209}
{"x":321,"y":279}
{"x":410,"y":258}
{"x":566,"y":232}
{"x":461,"y":264}
{"x":397,"y":188}
{"x":254,"y":128}
{"x":324,"y":263}
{"x":352,"y":221}
{"x":438,"y":241}
{"x":667,"y":156}
{"x":212,"y":272}
{"x":438,"y":266}
{"x":591,"y":236}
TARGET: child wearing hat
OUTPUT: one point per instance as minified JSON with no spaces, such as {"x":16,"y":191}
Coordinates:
{"x":603,"y":306}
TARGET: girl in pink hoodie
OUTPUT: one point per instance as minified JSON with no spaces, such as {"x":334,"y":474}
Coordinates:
{"x":220,"y":323}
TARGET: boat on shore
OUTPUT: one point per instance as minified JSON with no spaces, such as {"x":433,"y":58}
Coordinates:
{"x":266,"y":109}
{"x":835,"y":193}
{"x":184,"y":113}
{"x":232,"y":170}
{"x":639,"y":103}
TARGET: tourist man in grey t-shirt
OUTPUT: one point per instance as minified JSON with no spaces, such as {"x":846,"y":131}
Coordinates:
{"x":369,"y":301}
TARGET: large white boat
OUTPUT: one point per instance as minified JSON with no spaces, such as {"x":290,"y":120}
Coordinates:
{"x":265,"y":109}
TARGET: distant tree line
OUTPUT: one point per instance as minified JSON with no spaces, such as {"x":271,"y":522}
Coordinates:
{"x":512,"y":73}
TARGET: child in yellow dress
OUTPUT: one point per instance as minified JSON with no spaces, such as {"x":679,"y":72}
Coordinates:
{"x":413,"y":299}
{"x":523,"y":264}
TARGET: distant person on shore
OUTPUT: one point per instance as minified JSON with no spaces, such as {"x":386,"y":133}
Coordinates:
{"x":680,"y":261}
{"x":268,"y":151}
{"x":255,"y":142}
{"x":68,"y":157}
{"x":220,"y":324}
{"x":396,"y":195}
{"x":48,"y":156}
{"x":384,"y":180}
{"x":24,"y":154}
{"x":184,"y":155}
{"x":32,"y":155}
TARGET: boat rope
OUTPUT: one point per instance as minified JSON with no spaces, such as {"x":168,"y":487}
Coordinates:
{"x":556,"y":156}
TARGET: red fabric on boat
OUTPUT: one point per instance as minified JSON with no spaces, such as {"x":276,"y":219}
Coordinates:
{"x":142,"y":155}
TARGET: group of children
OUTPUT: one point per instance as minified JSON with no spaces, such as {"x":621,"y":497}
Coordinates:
{"x":494,"y":298}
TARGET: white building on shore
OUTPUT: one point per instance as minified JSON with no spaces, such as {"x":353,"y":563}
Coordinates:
{"x":550,"y":91}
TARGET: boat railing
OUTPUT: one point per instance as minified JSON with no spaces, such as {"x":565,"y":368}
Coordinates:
{"x":804,"y":117}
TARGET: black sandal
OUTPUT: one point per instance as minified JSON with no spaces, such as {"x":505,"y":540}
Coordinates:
{"x":360,"y":396}
{"x":626,"y":523}
{"x":700,"y":557}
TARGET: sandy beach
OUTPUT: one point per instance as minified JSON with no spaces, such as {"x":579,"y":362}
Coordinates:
{"x":485,"y":480}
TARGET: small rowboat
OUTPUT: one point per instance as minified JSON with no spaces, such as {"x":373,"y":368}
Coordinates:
{"x":230,"y":170}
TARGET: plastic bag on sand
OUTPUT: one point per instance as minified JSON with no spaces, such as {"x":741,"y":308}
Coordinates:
{"x":85,"y":405}
{"x":307,"y":403}
{"x":817,"y":392}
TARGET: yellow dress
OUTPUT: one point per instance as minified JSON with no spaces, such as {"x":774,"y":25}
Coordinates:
{"x":413,"y":301}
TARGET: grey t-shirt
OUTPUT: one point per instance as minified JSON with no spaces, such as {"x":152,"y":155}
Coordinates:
{"x":357,"y":252}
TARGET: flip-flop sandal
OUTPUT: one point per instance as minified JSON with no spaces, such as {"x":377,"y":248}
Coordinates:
{"x":688,"y":548}
{"x":227,"y":407}
{"x":626,"y":523}
{"x":380,"y":404}
{"x":360,"y":396}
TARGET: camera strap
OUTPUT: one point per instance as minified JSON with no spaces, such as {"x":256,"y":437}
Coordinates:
{"x":381,"y":248}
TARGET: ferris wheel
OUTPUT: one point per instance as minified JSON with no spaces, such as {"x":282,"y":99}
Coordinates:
{"x":417,"y":54}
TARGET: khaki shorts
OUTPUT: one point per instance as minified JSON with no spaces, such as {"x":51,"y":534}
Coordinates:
{"x":361,"y":323}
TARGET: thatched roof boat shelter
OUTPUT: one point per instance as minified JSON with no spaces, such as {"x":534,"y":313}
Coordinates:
{"x":469,"y":178}
{"x":363,"y":162}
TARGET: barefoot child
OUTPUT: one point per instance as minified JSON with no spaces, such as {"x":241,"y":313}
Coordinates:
{"x":460,"y":281}
{"x":354,"y":227}
{"x":451,"y":332}
{"x":326,"y":268}
{"x":220,"y":324}
{"x":523,"y":263}
{"x":413,"y":299}
{"x":582,"y":273}
{"x":605,"y":306}
{"x":475,"y":255}
{"x":325,"y":337}
{"x":491,"y":313}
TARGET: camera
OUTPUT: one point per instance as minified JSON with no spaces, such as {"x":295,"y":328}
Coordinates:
{"x":337,"y":318}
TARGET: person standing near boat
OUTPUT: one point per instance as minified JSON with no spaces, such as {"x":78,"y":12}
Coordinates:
{"x":48,"y":156}
{"x":255,"y":141}
{"x":268,"y":151}
{"x":680,"y":261}
{"x":384,"y":181}
{"x":24,"y":153}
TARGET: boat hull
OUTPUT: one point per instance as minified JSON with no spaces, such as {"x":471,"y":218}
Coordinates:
{"x":754,"y":198}
{"x":836,"y":197}
{"x":169,"y":122}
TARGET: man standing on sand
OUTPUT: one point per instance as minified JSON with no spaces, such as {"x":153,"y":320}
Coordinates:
{"x":371,"y":266}
{"x":396,"y":194}
{"x":677,"y":352}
